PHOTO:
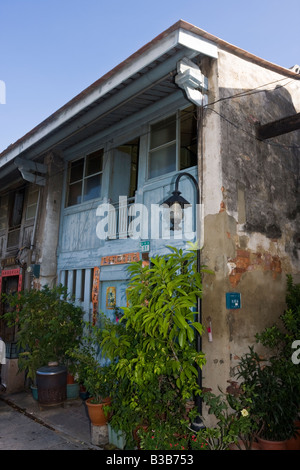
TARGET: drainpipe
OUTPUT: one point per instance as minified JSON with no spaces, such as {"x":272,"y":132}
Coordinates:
{"x":35,"y":221}
{"x":195,"y":84}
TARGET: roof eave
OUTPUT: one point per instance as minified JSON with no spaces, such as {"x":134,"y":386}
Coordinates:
{"x":181,"y":33}
{"x":170,"y":39}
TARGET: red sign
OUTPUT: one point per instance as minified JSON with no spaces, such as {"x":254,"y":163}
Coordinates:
{"x":120,"y":259}
{"x":12,"y":272}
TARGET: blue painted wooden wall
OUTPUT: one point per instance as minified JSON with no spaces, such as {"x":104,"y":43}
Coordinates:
{"x":80,"y":250}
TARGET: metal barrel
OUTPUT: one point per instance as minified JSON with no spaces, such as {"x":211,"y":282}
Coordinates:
{"x":52,"y":384}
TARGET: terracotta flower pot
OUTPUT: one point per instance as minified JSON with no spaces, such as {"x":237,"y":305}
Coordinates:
{"x":96,"y":412}
{"x":272,"y":445}
{"x":294,"y":442}
{"x":241,"y":446}
{"x":70,"y":379}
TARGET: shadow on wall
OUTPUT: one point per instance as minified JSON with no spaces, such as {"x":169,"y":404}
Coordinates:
{"x":265,"y":174}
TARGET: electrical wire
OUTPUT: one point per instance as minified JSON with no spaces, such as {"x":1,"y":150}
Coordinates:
{"x":205,"y":107}
{"x":253,"y":91}
{"x":254,"y":136}
{"x":208,"y":107}
{"x":200,"y":119}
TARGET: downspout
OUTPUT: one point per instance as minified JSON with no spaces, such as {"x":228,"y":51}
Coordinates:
{"x":35,"y":221}
{"x":193,"y":82}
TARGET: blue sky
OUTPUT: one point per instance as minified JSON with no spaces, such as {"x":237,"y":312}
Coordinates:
{"x":53,"y":49}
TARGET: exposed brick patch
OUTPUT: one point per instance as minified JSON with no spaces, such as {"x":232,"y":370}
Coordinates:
{"x":243,"y":253}
{"x":222,"y":207}
{"x":248,"y":261}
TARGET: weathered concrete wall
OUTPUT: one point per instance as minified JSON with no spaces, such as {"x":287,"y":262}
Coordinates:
{"x":251,"y":198}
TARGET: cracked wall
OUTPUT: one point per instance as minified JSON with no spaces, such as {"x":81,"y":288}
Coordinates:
{"x":251,"y":200}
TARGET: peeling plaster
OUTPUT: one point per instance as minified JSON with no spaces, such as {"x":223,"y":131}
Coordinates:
{"x":246,"y":261}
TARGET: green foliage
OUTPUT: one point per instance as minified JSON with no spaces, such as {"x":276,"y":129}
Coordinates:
{"x":164,"y":436}
{"x":152,"y":349}
{"x":198,"y":442}
{"x":277,"y":382}
{"x":48,"y":325}
{"x":279,"y":338}
{"x":234,"y":421}
{"x":274,"y":397}
{"x":232,"y":426}
{"x":95,"y":377}
{"x":293,"y":300}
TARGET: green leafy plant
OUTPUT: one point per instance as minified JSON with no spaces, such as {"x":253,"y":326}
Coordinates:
{"x":233,"y":424}
{"x":118,"y":312}
{"x":95,"y":376}
{"x":274,"y":397}
{"x":198,"y":442}
{"x":279,"y":337}
{"x":164,"y":436}
{"x":279,"y":376}
{"x":48,"y":324}
{"x":152,"y":350}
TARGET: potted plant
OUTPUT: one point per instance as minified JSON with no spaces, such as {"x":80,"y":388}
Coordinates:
{"x":274,"y":398}
{"x":95,"y":377}
{"x":48,"y":324}
{"x":99,"y":402}
{"x":235,"y":422}
{"x":231,"y":430}
{"x":31,"y":361}
{"x":279,"y":340}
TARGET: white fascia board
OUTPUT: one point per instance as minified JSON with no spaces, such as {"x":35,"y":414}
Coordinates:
{"x":190,"y":41}
{"x":197,"y":43}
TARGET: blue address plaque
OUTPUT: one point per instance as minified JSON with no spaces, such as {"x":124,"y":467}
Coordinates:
{"x":233,"y":300}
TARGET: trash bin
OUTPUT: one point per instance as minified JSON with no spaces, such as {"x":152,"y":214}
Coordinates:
{"x":51,"y":383}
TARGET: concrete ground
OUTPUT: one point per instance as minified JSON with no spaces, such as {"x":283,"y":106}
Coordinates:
{"x":25,"y":425}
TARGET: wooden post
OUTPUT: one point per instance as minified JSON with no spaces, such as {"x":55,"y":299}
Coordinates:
{"x":282,"y":126}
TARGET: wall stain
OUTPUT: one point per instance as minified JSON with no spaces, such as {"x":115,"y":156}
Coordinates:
{"x":246,"y":261}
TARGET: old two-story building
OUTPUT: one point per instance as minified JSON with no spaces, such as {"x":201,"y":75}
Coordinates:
{"x":81,"y":194}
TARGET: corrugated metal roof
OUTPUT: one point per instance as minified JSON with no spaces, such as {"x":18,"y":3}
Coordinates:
{"x":158,"y":91}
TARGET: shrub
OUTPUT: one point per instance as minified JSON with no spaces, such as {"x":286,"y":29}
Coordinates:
{"x":152,"y":348}
{"x":48,"y":324}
